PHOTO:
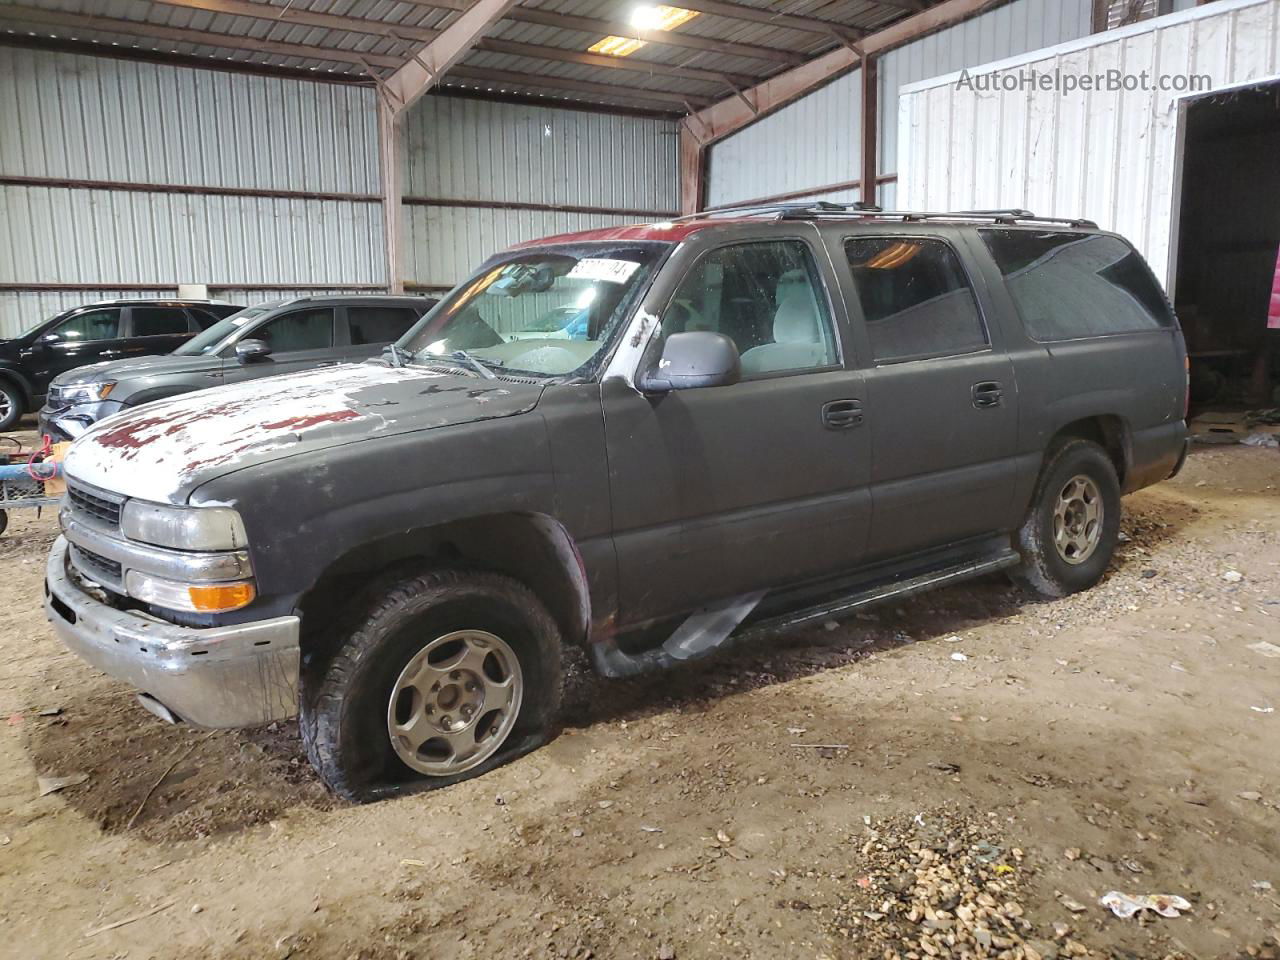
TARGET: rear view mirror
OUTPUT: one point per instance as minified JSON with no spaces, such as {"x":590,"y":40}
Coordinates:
{"x":695,"y":359}
{"x":252,"y":351}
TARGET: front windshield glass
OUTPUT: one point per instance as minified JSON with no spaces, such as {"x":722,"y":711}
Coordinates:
{"x":212,"y":339}
{"x":547,"y":312}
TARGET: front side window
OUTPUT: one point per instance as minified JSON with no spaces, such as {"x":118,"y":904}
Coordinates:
{"x":1069,"y":285}
{"x":766,"y":298}
{"x":90,"y":325}
{"x":159,"y":321}
{"x":300,"y":330}
{"x":212,"y":339}
{"x":542,"y":312}
{"x":916,"y":299}
{"x":372,"y":325}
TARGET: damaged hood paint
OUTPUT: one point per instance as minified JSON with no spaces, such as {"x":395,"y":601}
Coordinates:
{"x":162,"y":451}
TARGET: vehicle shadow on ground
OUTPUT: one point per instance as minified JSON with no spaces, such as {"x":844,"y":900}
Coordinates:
{"x":166,"y":784}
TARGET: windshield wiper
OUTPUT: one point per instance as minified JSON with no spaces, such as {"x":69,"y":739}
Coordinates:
{"x":475,"y":363}
{"x":400,"y":357}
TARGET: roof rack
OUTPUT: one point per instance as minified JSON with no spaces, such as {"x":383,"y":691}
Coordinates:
{"x":824,"y":209}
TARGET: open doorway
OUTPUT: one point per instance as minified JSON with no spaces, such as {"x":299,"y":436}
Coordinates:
{"x":1228,"y":238}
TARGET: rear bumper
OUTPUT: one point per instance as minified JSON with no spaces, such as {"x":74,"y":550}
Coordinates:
{"x":236,"y":676}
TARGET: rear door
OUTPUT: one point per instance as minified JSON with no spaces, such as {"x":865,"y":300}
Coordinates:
{"x":722,"y":491}
{"x":156,"y":330}
{"x":942,"y":401}
{"x":83,"y":338}
{"x":370,"y":327}
{"x":299,"y":339}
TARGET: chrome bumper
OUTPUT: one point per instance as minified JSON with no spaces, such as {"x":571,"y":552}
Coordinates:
{"x":235,"y":676}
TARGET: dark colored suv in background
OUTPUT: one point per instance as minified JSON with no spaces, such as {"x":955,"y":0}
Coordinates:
{"x":763,"y":420}
{"x":280,"y":336}
{"x":94,"y":332}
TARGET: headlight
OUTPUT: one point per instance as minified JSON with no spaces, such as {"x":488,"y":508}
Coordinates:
{"x":191,"y":597}
{"x":83,"y":392}
{"x":183,"y":528}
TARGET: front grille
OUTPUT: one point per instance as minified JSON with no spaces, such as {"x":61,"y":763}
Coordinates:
{"x":95,"y":565}
{"x":95,"y":505}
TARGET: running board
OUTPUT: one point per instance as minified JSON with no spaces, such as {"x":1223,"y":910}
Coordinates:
{"x":712,"y":629}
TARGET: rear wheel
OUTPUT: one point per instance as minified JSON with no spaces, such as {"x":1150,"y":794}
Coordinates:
{"x":12,"y":405}
{"x":1071,"y":530}
{"x":444,"y":676}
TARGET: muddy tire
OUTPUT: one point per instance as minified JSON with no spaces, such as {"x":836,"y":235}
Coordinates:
{"x":1071,"y":530}
{"x":12,"y":405}
{"x":440,"y":677}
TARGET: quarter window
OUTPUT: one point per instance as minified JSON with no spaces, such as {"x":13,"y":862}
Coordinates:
{"x":767,"y":298}
{"x":915,"y":298}
{"x":90,"y":325}
{"x":1068,"y":285}
{"x":370,"y":325}
{"x":159,"y":321}
{"x":301,"y":330}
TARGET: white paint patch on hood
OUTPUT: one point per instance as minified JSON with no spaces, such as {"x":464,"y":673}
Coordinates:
{"x":154,"y":451}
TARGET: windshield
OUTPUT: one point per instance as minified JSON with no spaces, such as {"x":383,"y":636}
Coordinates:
{"x":547,"y":313}
{"x":211,"y":340}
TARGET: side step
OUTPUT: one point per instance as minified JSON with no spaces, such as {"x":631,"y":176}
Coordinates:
{"x":712,"y":629}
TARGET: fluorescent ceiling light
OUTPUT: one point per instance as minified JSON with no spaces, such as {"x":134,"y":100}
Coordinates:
{"x":616,"y":46}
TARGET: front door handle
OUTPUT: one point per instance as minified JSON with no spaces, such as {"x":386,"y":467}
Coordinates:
{"x":111,"y":353}
{"x":842,"y":414}
{"x":989,"y":393}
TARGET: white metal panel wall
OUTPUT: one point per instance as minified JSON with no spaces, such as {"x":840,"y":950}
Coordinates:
{"x":1006,"y":31}
{"x":66,"y":117}
{"x":488,"y":153}
{"x":1108,"y":156}
{"x":812,"y":142}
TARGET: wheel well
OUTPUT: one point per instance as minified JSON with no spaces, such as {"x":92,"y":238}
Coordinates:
{"x":1108,"y":432}
{"x":23,"y":392}
{"x":532,"y":548}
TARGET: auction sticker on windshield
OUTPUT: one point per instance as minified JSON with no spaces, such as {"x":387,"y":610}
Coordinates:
{"x":597,"y":268}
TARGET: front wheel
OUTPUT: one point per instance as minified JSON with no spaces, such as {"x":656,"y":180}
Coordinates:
{"x":445,"y":676}
{"x":1071,"y":530}
{"x":12,"y":405}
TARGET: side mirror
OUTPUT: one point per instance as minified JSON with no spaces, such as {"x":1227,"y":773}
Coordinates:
{"x":696,"y":359}
{"x":252,"y":351}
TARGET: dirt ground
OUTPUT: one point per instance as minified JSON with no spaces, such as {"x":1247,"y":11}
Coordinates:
{"x":768,"y":804}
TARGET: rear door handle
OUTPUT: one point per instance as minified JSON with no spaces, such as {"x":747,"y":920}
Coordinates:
{"x":989,"y":393}
{"x":842,"y":414}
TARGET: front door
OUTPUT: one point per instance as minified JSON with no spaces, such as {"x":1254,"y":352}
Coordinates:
{"x":942,"y":402}
{"x":722,"y":491}
{"x":299,"y":340}
{"x":83,"y":338}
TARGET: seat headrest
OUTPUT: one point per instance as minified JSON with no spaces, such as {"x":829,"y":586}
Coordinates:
{"x":796,"y":320}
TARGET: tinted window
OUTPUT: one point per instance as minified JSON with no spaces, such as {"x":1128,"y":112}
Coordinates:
{"x":1068,"y":286}
{"x":159,"y":321}
{"x":767,"y":298}
{"x":204,"y":318}
{"x":915,"y":297}
{"x":90,"y":325}
{"x":379,"y":324}
{"x":302,"y":330}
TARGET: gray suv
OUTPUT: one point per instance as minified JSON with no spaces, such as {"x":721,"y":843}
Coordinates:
{"x":648,"y":441}
{"x":280,"y":336}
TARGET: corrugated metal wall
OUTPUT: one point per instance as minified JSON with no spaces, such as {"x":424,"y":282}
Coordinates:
{"x":1006,"y":31}
{"x":1109,"y":156}
{"x":94,"y":120}
{"x":816,"y":141}
{"x":811,"y":143}
{"x":477,"y":155}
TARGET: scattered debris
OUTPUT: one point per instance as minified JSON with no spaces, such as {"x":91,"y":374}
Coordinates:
{"x":1250,"y":795}
{"x":959,"y":657}
{"x":952,"y":639}
{"x":1075,"y":906}
{"x":1262,"y":885}
{"x":51,"y":712}
{"x":127,"y":920}
{"x":168,"y":770}
{"x":1233,"y":576}
{"x":821,"y":746}
{"x":1266,"y":648}
{"x":666,"y":952}
{"x":1072,"y":853}
{"x":1263,"y":709}
{"x":650,"y":829}
{"x":1261,"y":440}
{"x":944,"y":765}
{"x":1178,"y":666}
{"x":48,"y":785}
{"x":1125,"y":905}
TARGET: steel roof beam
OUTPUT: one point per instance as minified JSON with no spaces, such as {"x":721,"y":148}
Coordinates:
{"x":510,"y":78}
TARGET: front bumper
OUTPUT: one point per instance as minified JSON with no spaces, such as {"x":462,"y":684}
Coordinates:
{"x":235,"y":676}
{"x":68,"y":422}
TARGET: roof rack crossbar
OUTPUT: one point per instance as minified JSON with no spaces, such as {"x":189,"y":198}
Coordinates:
{"x":823,"y":209}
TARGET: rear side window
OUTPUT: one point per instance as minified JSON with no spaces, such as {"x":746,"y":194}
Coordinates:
{"x":1067,"y":286}
{"x":764,"y":296}
{"x":204,"y":318}
{"x":915,"y":297}
{"x":370,"y":325}
{"x":159,"y":321}
{"x":301,"y":330}
{"x":90,"y":325}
